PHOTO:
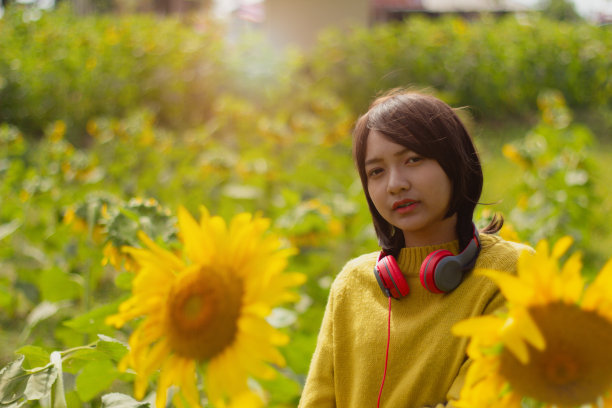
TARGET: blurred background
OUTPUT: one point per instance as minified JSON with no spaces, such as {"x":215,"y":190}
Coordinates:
{"x":115,"y":112}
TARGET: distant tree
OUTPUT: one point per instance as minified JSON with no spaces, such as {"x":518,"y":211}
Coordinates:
{"x":179,"y":6}
{"x":563,"y":10}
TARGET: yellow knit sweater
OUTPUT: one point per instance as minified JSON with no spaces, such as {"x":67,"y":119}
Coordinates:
{"x":427,"y":363}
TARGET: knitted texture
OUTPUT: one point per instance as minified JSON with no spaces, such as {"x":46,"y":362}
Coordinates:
{"x":427,"y":363}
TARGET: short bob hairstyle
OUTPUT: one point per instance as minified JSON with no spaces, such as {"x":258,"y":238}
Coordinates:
{"x":429,"y":127}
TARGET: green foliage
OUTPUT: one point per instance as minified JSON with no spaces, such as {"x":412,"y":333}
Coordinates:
{"x":73,"y":68}
{"x":39,"y":376}
{"x":116,"y":400}
{"x":495,"y":66}
{"x":557,"y":192}
{"x":563,"y":10}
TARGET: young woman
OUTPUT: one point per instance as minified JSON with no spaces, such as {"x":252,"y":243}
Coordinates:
{"x":422,"y":179}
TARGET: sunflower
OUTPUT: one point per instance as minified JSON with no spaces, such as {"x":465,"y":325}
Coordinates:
{"x":204,"y":307}
{"x":551,"y":346}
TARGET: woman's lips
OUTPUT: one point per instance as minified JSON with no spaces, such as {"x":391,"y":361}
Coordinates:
{"x":404,"y":206}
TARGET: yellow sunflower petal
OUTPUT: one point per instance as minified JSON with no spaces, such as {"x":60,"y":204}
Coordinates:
{"x":167,"y":377}
{"x":600,"y":291}
{"x":156,"y":356}
{"x":482,"y":369}
{"x":216,"y":227}
{"x":257,"y":309}
{"x":475,"y":348}
{"x":540,"y":272}
{"x":486,"y":324}
{"x":158,"y":251}
{"x":561,"y":246}
{"x":132,"y":308}
{"x":514,"y":341}
{"x":140,"y":386}
{"x":214,"y":387}
{"x":246,"y":400}
{"x":225,"y":377}
{"x":571,"y":279}
{"x":542,"y":248}
{"x":513,"y":288}
{"x":186,"y":380}
{"x":149,"y":332}
{"x":197,"y":243}
{"x":482,"y":386}
{"x":262,"y":331}
{"x":275,"y":291}
{"x":528,"y":328}
{"x":518,"y":329}
{"x":254,"y":365}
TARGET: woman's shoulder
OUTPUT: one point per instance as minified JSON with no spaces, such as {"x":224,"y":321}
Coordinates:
{"x":363,"y":261}
{"x":497,"y":253}
{"x":356,"y":270}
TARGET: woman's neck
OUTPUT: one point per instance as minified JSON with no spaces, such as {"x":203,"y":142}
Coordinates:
{"x":440,"y":232}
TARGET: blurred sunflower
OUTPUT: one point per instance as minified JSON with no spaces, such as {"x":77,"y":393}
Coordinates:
{"x":85,"y":218}
{"x":123,"y":222}
{"x":552,"y":345}
{"x":114,"y":257}
{"x":204,"y":309}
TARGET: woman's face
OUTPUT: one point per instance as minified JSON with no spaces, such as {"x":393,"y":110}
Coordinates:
{"x":409,"y":191}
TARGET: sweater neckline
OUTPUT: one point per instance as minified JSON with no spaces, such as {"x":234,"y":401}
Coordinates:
{"x":410,"y":259}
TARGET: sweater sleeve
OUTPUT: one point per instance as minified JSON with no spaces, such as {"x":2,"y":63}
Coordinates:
{"x":319,"y":390}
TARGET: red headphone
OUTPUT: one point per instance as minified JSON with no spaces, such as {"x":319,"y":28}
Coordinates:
{"x":441,"y":271}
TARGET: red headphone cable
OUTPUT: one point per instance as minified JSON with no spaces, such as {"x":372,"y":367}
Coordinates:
{"x":386,"y":354}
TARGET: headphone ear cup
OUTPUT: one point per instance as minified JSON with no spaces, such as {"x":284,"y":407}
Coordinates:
{"x":383,"y":279}
{"x":448,"y":274}
{"x":390,"y":278}
{"x":441,"y":271}
{"x":427,"y":274}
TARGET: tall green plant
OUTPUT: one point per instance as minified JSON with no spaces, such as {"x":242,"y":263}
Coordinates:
{"x":557,"y":194}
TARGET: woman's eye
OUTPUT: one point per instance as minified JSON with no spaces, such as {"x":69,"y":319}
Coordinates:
{"x":374,"y":172}
{"x":414,"y":159}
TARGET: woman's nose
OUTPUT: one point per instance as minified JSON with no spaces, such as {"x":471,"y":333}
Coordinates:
{"x":397,"y":182}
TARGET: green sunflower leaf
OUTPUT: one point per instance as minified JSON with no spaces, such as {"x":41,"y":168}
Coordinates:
{"x":40,"y":382}
{"x":114,"y":348}
{"x":13,"y":382}
{"x":81,"y":358}
{"x":92,"y":322}
{"x":34,"y":356}
{"x":117,"y":400}
{"x":94,"y":378}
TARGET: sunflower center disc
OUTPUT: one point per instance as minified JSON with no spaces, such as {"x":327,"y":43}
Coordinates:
{"x":574,"y":368}
{"x":561,"y":369}
{"x":203,"y":308}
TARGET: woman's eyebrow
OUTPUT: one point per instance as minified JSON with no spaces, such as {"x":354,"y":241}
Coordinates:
{"x":379,"y":159}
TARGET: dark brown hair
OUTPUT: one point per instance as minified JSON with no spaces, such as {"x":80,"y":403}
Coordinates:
{"x":432,"y":129}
